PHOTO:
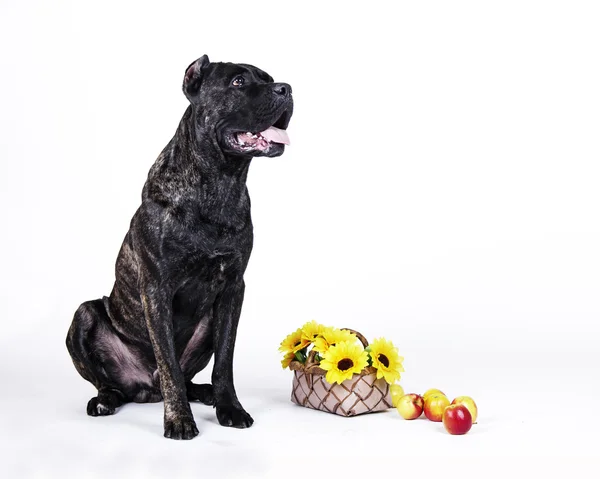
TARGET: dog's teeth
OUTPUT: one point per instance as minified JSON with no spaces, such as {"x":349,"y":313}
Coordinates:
{"x":248,"y":134}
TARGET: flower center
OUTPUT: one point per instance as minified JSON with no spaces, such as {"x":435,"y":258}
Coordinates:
{"x":383,"y":360}
{"x":298,"y":343}
{"x":345,"y":364}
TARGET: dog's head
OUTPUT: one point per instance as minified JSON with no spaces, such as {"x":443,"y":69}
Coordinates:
{"x":247,"y":110}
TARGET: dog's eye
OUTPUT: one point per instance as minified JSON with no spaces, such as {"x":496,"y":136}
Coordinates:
{"x":238,"y":81}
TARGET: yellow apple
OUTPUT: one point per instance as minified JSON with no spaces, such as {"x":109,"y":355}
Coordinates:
{"x":435,"y":405}
{"x":429,"y":392}
{"x":397,"y":392}
{"x":410,"y":406}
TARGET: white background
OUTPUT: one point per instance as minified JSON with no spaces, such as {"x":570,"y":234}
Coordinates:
{"x":441,"y":190}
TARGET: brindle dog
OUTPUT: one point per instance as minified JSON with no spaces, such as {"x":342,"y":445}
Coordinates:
{"x":179,"y":274}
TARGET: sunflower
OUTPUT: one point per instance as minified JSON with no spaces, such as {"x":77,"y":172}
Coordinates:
{"x":331,"y":337}
{"x":343,"y":360}
{"x":293,"y":342}
{"x":287,"y":359}
{"x":385,"y":358}
{"x":312,"y":330}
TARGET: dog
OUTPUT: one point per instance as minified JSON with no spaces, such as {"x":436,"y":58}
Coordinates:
{"x":179,"y":282}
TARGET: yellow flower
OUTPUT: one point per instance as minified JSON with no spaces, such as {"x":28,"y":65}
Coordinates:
{"x":343,"y":360}
{"x":385,"y":358}
{"x":312,"y":330}
{"x":331,"y":337}
{"x":293,"y":342}
{"x":287,"y":359}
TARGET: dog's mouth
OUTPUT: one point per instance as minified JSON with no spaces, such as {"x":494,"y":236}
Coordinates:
{"x":265,"y":140}
{"x":262,"y":141}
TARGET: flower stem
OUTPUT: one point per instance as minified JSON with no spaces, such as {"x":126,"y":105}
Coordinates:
{"x":300,"y":356}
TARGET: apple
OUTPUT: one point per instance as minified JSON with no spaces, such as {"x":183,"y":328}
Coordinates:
{"x":434,"y":406}
{"x":397,"y":392}
{"x":429,"y":392}
{"x":410,"y":406}
{"x":457,"y":419}
{"x":470,"y":405}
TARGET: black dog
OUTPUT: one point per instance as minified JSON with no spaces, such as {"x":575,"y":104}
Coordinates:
{"x":179,"y":274}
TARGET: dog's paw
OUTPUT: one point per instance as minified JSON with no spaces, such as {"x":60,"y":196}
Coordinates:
{"x":97,"y":408}
{"x":183,"y":427}
{"x":201,"y":392}
{"x":232,"y":416}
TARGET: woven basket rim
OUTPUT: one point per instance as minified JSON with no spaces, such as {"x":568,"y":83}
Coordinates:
{"x":314,"y":369}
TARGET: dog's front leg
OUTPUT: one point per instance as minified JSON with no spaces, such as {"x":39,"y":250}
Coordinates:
{"x":178,"y":421}
{"x":228,"y":307}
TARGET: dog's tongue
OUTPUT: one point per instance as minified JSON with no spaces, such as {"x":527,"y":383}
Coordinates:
{"x":276,"y":135}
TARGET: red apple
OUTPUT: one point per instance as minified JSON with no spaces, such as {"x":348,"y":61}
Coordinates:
{"x":410,"y":406}
{"x":470,"y":404}
{"x":457,"y":419}
{"x":434,"y":406}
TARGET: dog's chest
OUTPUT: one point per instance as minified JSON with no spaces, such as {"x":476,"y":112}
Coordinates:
{"x":205,"y":277}
{"x":215,"y":268}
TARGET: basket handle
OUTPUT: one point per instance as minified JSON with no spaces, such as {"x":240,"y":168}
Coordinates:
{"x":310,"y":360}
{"x":362,"y":339}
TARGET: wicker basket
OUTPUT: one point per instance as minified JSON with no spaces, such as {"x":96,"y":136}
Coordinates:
{"x":361,"y":394}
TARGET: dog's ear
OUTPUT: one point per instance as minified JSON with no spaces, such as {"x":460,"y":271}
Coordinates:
{"x":193,"y":77}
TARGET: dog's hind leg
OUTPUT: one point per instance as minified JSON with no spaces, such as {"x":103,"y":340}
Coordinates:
{"x":102,"y":358}
{"x":195,"y":357}
{"x":105,"y":404}
{"x":200,"y":392}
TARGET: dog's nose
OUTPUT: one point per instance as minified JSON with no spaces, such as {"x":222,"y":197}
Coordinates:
{"x":282,"y":89}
